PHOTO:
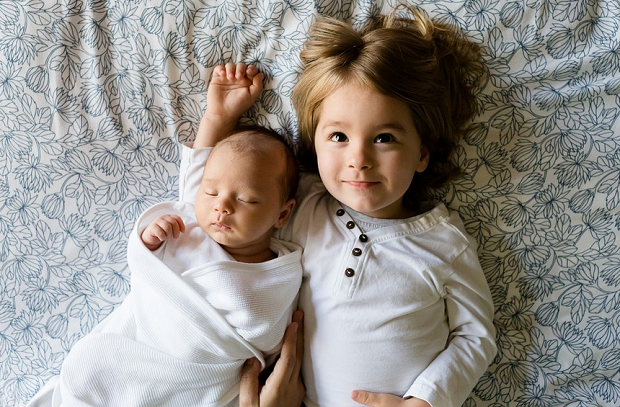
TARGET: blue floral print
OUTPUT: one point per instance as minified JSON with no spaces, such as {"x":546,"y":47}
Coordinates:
{"x":96,"y":95}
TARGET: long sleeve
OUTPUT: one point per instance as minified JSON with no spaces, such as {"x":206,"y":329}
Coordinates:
{"x":450,"y":378}
{"x":191,"y":170}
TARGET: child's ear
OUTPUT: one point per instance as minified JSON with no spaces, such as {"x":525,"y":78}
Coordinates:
{"x":425,"y":157}
{"x":285,"y":213}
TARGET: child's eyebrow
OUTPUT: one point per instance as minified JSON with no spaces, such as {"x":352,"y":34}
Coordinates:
{"x":388,"y":125}
{"x":333,"y":123}
{"x":393,"y":126}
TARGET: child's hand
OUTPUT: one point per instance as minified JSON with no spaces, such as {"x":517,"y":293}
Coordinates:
{"x":233,"y":90}
{"x":162,"y":229}
{"x":385,"y":400}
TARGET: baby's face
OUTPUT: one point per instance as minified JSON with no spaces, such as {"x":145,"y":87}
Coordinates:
{"x":240,"y":199}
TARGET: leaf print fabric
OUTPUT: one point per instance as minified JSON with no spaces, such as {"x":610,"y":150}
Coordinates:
{"x":96,"y":95}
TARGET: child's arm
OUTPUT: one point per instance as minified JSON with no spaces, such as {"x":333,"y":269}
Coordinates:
{"x":233,"y":90}
{"x":162,"y":229}
{"x":454,"y":372}
{"x":452,"y":375}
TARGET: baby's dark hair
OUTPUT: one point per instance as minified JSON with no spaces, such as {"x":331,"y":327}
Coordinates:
{"x":429,"y":66}
{"x":265,"y":141}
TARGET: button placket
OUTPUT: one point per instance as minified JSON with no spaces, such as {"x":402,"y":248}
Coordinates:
{"x":356,"y":252}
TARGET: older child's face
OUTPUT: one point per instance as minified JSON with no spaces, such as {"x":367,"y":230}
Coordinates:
{"x":368,"y":150}
{"x":240,"y":199}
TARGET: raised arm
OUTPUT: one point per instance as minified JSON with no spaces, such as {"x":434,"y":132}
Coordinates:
{"x":233,"y":90}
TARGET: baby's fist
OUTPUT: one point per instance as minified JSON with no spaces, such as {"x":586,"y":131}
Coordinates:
{"x":161,"y":229}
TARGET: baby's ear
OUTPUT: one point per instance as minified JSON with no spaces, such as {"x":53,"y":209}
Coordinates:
{"x":285,"y":213}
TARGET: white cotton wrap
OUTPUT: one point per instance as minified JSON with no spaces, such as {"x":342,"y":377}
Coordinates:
{"x":181,"y":340}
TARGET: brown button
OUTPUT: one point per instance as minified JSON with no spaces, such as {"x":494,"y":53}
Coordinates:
{"x":349,"y":272}
{"x":340,"y":212}
{"x":350,"y":224}
{"x":357,"y":252}
{"x":363,"y":238}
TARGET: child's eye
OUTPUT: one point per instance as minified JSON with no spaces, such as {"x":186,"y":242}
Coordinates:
{"x":384,"y":138}
{"x":210,"y":193}
{"x":247,"y":200}
{"x":338,"y":137}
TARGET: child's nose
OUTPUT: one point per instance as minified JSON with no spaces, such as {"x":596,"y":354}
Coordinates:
{"x":359,"y":157}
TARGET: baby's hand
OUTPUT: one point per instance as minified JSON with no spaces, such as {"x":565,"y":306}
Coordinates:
{"x":162,"y":229}
{"x":385,"y":400}
{"x":233,"y":90}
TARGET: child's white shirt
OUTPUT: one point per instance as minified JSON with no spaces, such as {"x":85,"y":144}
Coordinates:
{"x":404,"y":310}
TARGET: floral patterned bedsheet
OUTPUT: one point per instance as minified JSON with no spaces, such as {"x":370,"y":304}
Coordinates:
{"x":96,"y":94}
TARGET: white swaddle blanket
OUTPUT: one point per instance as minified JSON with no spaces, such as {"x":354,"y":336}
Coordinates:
{"x":181,"y":340}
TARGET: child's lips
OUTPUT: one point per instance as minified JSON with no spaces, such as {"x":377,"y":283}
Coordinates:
{"x":361,"y":184}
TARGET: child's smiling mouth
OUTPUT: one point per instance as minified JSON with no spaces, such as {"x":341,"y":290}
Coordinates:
{"x":361,"y":184}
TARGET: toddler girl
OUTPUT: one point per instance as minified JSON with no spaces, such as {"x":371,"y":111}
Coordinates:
{"x":395,"y":301}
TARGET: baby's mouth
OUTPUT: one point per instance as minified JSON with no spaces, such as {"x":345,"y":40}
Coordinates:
{"x":221,"y":226}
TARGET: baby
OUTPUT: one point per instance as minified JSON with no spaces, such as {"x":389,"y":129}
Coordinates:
{"x":211,"y":288}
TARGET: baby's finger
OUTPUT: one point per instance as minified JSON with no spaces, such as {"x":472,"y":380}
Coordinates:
{"x":158,"y":232}
{"x":177,"y":224}
{"x":174,"y":227}
{"x":219,"y":70}
{"x":251,"y":71}
{"x":257,"y":85}
{"x":240,"y":70}
{"x":181,"y":224}
{"x":230,"y":70}
{"x":166,"y":227}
